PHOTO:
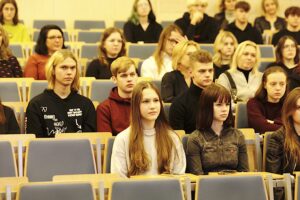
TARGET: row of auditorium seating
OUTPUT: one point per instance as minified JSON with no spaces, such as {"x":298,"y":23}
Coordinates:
{"x":47,"y":157}
{"x":229,"y":187}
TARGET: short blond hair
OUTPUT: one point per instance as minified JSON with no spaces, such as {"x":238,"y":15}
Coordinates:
{"x":179,"y":51}
{"x":238,"y":53}
{"x":57,"y":58}
{"x":121,"y":64}
{"x":193,"y":2}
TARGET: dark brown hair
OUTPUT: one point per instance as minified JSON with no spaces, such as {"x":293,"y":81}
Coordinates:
{"x":280,"y":46}
{"x":291,"y":143}
{"x":242,"y":5}
{"x":205,"y":115}
{"x":16,"y":17}
{"x":293,"y":10}
{"x":2,"y":115}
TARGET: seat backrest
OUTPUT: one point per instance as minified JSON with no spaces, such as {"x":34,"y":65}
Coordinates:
{"x":297,"y":186}
{"x":17,"y":50}
{"x":107,"y":154}
{"x":166,"y":23}
{"x":56,"y":191}
{"x":36,"y":88}
{"x":267,"y":51}
{"x":263,"y":65}
{"x":9,"y":91}
{"x":89,"y":36}
{"x":141,"y":51}
{"x":38,"y":24}
{"x":48,"y":157}
{"x":100,"y":90}
{"x":119,"y":24}
{"x":89,"y":51}
{"x":208,"y":47}
{"x":8,"y":167}
{"x":241,"y":117}
{"x":231,"y":188}
{"x":89,"y":24}
{"x":147,"y":190}
{"x":253,"y":149}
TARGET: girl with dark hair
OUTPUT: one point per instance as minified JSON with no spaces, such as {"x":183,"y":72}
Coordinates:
{"x":51,"y":39}
{"x":215,"y":145}
{"x":148,"y":146}
{"x":264,"y":110}
{"x":112,"y":46}
{"x":9,"y":65}
{"x":283,"y":150}
{"x":8,"y":122}
{"x":142,"y":25}
{"x":9,"y":18}
{"x":287,"y":57}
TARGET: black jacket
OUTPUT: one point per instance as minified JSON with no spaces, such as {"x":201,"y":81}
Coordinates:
{"x":250,"y":33}
{"x":184,"y":108}
{"x":203,"y":32}
{"x":11,"y":125}
{"x":47,"y":114}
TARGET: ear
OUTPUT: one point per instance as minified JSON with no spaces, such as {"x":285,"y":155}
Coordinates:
{"x":114,"y":79}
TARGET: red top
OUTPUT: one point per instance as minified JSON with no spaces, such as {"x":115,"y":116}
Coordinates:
{"x":35,"y":66}
{"x":113,"y":114}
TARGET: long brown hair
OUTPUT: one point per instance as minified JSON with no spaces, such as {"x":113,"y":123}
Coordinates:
{"x":2,"y":115}
{"x":5,"y":52}
{"x":102,"y":51}
{"x":291,"y":143}
{"x":163,"y":38}
{"x":139,"y":160}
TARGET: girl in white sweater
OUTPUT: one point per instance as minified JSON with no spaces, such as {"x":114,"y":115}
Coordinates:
{"x":148,"y":145}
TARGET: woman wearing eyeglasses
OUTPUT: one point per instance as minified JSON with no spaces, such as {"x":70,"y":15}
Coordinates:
{"x":161,"y":60}
{"x":51,"y":39}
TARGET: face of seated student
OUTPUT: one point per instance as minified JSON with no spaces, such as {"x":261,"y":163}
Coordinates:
{"x":247,"y":59}
{"x":150,"y":105}
{"x":270,"y":7}
{"x":202,"y":74}
{"x":241,"y":16}
{"x":289,"y":50}
{"x":143,"y":8}
{"x":9,"y":12}
{"x":275,"y":86}
{"x":126,"y":81}
{"x":229,"y":5}
{"x":113,"y":45}
{"x":54,"y":41}
{"x":171,"y":42}
{"x":65,"y":72}
{"x":185,"y":65}
{"x":293,"y":21}
{"x":227,"y":47}
{"x":221,"y":111}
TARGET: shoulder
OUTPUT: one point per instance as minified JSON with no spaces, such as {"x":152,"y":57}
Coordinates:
{"x":278,"y":135}
{"x":123,"y":136}
{"x":82,"y":99}
{"x":260,"y":19}
{"x":254,"y":102}
{"x":7,"y":110}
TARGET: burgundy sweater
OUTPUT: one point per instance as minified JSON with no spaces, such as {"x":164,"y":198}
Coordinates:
{"x":113,"y":114}
{"x":259,"y":112}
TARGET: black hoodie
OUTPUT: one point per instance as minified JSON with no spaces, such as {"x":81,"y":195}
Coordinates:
{"x":203,"y":32}
{"x":47,"y":114}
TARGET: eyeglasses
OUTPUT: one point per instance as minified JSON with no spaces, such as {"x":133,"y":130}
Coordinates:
{"x":292,"y":46}
{"x":55,"y":37}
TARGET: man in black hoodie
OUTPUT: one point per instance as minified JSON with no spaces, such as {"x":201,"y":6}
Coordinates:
{"x":197,"y":25}
{"x":60,"y":109}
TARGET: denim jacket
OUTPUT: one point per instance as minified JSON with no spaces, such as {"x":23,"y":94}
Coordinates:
{"x":208,"y":152}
